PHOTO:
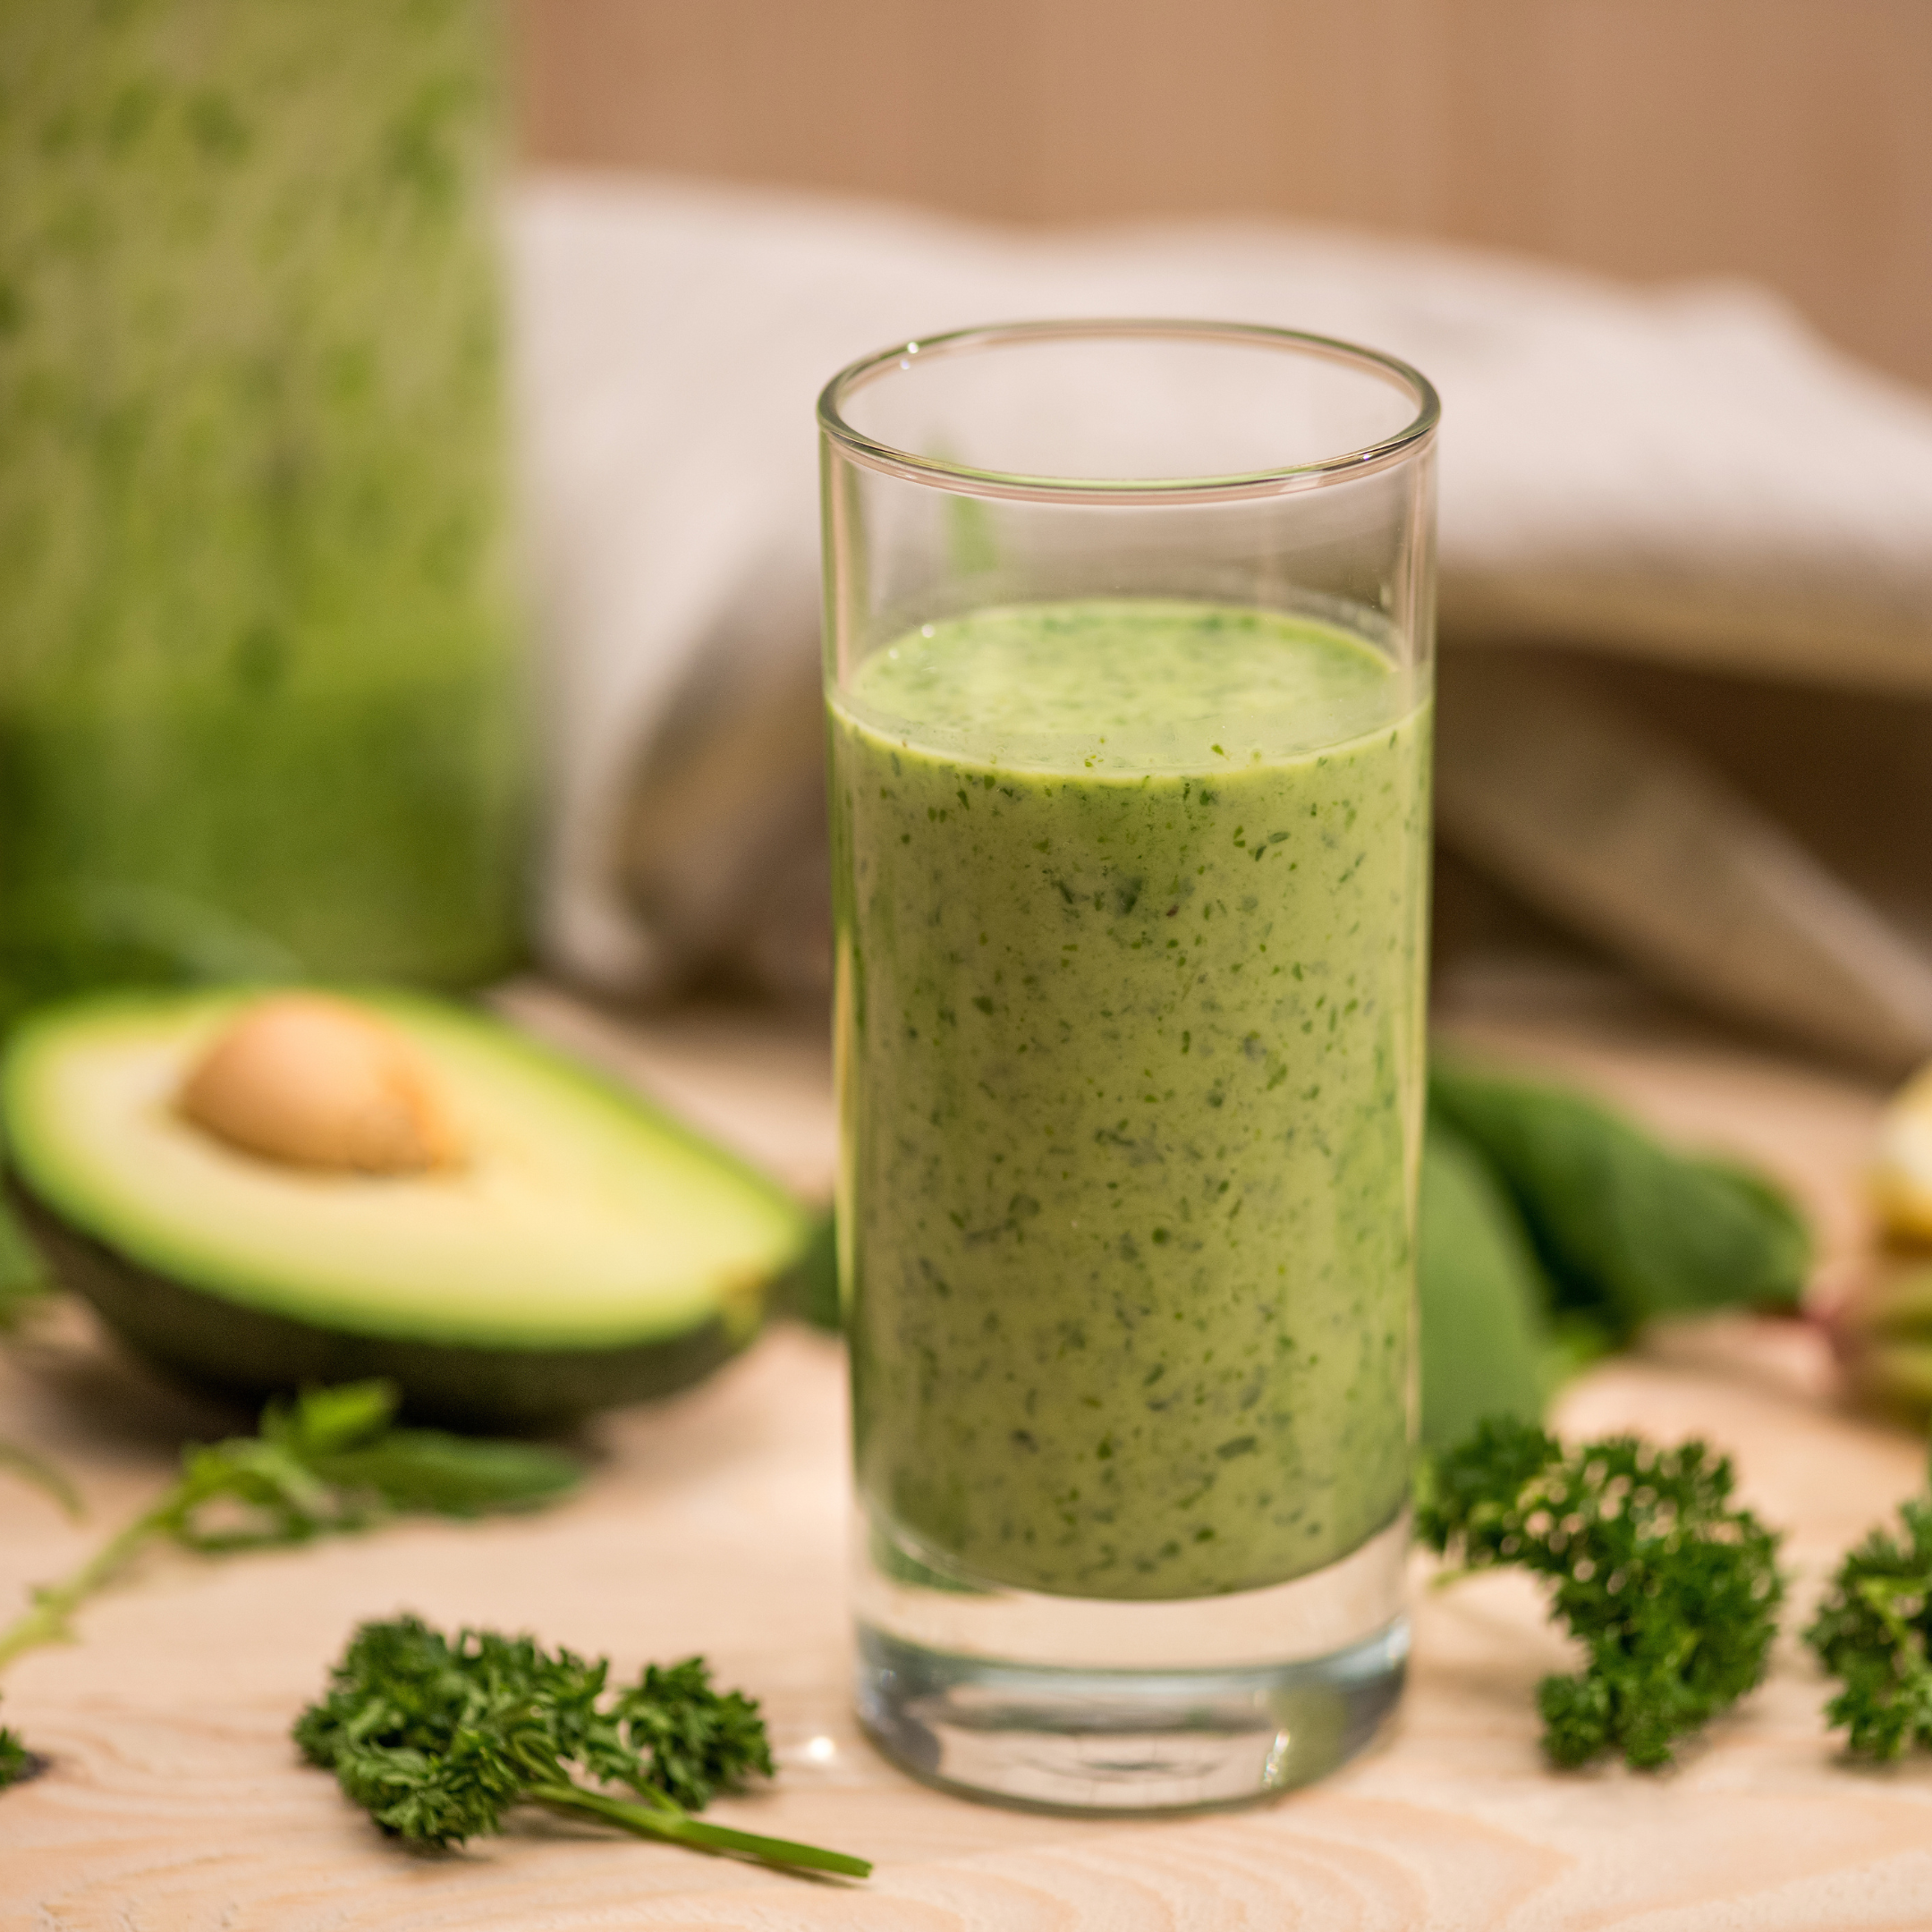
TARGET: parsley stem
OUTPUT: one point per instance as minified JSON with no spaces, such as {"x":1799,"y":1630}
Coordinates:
{"x":48,"y":1620}
{"x":32,"y":1468}
{"x":660,"y":1818}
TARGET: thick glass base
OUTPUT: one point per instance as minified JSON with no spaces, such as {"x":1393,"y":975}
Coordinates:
{"x":1064,"y":1704}
{"x":1123,"y":1741}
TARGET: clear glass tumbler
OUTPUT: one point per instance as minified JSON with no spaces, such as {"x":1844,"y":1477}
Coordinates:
{"x":1128,"y":665}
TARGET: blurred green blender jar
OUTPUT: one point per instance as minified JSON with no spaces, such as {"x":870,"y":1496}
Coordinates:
{"x":259,"y":680}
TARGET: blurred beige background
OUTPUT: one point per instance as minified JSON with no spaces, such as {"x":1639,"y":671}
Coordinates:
{"x":1789,"y":140}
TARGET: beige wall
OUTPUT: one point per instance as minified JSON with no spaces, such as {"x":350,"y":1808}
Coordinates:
{"x":1786,"y":139}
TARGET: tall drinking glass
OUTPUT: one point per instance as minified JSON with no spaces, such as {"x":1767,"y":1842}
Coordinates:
{"x":1128,"y":663}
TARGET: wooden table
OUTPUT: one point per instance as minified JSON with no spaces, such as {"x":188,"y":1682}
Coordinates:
{"x":715,"y":1522}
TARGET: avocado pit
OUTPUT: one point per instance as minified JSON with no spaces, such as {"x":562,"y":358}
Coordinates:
{"x":313,"y":1082}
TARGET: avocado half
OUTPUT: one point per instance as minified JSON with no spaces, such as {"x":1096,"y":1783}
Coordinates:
{"x":590,"y":1252}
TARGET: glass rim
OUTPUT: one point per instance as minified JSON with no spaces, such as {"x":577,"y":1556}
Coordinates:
{"x":964,"y":478}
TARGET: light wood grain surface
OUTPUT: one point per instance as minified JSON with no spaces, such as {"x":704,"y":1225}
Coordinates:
{"x":715,"y":1522}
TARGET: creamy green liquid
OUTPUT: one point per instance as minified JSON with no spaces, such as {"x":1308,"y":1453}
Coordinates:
{"x":1131,"y":952}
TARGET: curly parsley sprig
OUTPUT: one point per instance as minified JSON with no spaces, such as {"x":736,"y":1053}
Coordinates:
{"x":1870,"y":1633}
{"x":437,"y":1739}
{"x":1672,"y":1592}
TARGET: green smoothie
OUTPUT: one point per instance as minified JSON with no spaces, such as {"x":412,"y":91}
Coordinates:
{"x":260,"y":702}
{"x":1131,"y":1034}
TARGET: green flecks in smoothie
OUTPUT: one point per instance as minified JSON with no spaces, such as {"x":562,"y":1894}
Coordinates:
{"x":1217,"y":1159}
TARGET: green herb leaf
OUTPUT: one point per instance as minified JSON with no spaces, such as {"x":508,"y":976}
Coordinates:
{"x":327,"y":1420}
{"x":328,"y":1464}
{"x":438,"y":1739}
{"x":1870,"y":1633}
{"x":1482,"y":1300}
{"x":1625,"y":1228}
{"x":343,"y":1436}
{"x":1672,"y":1592}
{"x":811,"y":1290}
{"x":16,"y":1761}
{"x":700,"y":1740}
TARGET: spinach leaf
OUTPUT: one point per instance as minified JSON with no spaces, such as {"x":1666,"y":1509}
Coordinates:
{"x":1625,"y":1228}
{"x":1483,"y":1302}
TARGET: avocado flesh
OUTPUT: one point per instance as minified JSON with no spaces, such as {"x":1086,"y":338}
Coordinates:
{"x":590,"y":1252}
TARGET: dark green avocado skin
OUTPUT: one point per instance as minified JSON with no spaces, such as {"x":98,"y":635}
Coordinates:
{"x":229,"y":1349}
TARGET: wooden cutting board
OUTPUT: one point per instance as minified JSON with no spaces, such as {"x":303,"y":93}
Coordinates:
{"x":715,"y":1522}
